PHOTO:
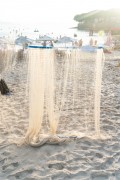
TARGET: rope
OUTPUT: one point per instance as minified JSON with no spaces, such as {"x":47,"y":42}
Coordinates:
{"x":49,"y":139}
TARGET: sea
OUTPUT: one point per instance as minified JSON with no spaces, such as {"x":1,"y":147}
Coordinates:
{"x":55,"y":30}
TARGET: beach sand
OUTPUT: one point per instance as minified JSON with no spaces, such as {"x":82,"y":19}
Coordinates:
{"x":80,"y":159}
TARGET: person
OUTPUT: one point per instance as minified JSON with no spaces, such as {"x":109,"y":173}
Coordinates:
{"x":44,"y":43}
{"x":91,"y":42}
{"x":51,"y":43}
{"x":80,"y":42}
{"x":95,"y":43}
{"x":76,"y":44}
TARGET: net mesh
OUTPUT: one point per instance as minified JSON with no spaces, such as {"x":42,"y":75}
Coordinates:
{"x":64,"y":93}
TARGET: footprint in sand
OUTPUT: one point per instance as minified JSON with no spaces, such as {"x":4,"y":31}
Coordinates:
{"x":10,"y":166}
{"x":57,"y":165}
{"x":21,"y":174}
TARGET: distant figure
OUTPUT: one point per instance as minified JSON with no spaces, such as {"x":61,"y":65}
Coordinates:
{"x":95,"y":43}
{"x":91,"y":33}
{"x":25,"y":45}
{"x":75,"y":35}
{"x":51,"y":43}
{"x":76,"y":44}
{"x":80,"y":42}
{"x":44,"y":43}
{"x":91,"y":42}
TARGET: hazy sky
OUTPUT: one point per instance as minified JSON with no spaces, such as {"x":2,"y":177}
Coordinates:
{"x":49,"y":11}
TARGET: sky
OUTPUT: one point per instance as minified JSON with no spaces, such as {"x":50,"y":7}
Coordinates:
{"x":49,"y":11}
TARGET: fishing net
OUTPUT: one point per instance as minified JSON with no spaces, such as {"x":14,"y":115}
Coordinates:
{"x":64,"y":95}
{"x":7,"y":83}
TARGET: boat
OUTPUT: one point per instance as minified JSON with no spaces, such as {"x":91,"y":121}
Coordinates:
{"x":36,"y":30}
{"x":39,"y":45}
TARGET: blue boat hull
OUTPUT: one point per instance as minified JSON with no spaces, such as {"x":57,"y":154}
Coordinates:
{"x":41,"y":47}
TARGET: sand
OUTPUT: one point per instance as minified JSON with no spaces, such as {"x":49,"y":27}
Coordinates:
{"x":82,"y":158}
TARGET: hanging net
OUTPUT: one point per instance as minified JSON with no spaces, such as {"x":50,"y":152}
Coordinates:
{"x":64,"y":95}
{"x":9,"y":94}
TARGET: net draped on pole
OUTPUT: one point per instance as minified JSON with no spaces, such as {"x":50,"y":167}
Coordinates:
{"x":64,"y":93}
{"x":41,"y":90}
{"x":7,"y":58}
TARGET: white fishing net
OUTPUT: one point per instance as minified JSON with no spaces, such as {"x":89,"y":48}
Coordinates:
{"x":64,"y":93}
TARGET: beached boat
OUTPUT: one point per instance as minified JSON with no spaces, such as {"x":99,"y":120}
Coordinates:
{"x":37,"y":45}
{"x":42,"y":42}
